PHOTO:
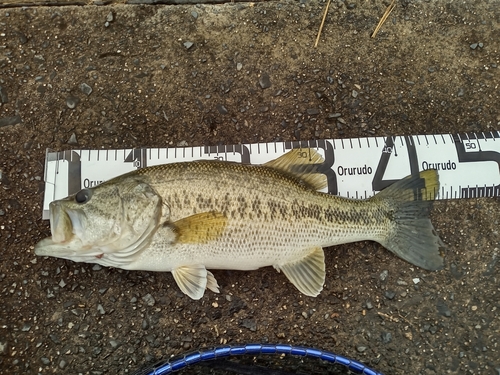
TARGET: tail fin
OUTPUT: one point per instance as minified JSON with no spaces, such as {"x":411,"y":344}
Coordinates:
{"x":412,"y":236}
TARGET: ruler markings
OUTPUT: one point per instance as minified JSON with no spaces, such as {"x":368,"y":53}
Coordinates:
{"x":468,"y":165}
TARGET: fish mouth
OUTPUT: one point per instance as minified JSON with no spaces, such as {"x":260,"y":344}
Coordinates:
{"x":65,"y":242}
{"x":61,"y":225}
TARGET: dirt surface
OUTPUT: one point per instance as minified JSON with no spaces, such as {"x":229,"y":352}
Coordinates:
{"x":432,"y":69}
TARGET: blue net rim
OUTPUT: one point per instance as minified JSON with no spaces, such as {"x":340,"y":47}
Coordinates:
{"x":202,"y":355}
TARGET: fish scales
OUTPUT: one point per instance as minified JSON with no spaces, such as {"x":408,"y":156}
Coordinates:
{"x":256,"y":196}
{"x":189,"y":217}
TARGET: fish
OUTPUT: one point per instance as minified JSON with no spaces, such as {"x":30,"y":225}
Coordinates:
{"x":191,"y":217}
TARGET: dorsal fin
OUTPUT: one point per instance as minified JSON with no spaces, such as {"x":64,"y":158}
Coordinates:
{"x":303,"y":164}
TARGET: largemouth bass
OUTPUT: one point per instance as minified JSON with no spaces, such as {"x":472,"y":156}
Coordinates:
{"x":188,"y":217}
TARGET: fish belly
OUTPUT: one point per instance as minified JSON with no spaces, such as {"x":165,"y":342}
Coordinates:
{"x":248,"y":246}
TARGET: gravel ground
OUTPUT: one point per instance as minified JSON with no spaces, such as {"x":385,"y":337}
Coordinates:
{"x":128,"y":76}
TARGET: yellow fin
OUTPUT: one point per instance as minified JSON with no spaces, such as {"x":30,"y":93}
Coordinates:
{"x":308,"y":273}
{"x":303,"y":164}
{"x":200,"y":228}
{"x":421,"y":187}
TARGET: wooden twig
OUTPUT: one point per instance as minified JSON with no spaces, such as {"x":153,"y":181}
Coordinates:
{"x":384,"y":18}
{"x":322,"y":23}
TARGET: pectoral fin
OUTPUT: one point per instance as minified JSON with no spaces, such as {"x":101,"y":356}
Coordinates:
{"x":200,"y":228}
{"x":308,"y":273}
{"x":193,"y":280}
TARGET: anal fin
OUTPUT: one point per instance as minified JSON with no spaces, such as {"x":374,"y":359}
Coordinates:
{"x":308,"y":273}
{"x":193,"y":280}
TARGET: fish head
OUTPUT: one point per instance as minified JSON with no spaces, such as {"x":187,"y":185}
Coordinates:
{"x":107,"y":224}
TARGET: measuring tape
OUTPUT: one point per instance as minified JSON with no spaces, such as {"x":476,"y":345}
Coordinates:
{"x":468,"y":164}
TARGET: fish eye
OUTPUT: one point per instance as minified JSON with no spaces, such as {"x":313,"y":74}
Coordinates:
{"x":83,"y":196}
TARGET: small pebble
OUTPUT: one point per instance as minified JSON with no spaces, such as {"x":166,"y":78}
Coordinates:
{"x":55,"y":339}
{"x":96,"y":267}
{"x":386,"y":337}
{"x":194,"y":14}
{"x":101,"y":309}
{"x":383,"y":275}
{"x":72,"y":139}
{"x":4,"y":98}
{"x":62,"y":364}
{"x":45,"y":361}
{"x":239,"y":66}
{"x":71,"y":102}
{"x":26,"y":327}
{"x":188,"y":45}
{"x":10,"y":120}
{"x":86,"y":89}
{"x":114,"y":344}
{"x":361,"y":349}
{"x":443,"y":309}
{"x":473,"y":46}
{"x":222,"y":110}
{"x":250,"y":324}
{"x":390,"y":294}
{"x":369,"y":305}
{"x":149,"y":300}
{"x":264,"y":81}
